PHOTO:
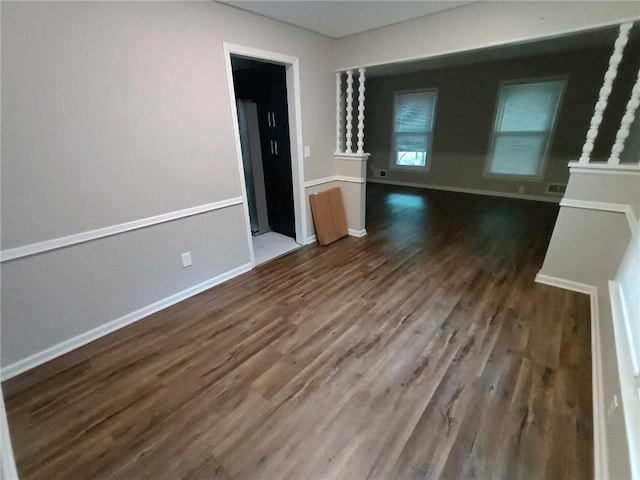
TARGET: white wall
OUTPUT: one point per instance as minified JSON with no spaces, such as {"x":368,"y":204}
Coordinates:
{"x":477,"y":26}
{"x":117,"y":111}
{"x":625,"y":300}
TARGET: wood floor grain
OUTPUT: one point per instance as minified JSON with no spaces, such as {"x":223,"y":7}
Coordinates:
{"x":424,"y":350}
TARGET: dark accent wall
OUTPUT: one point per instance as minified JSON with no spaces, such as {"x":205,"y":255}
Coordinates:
{"x":466,"y":104}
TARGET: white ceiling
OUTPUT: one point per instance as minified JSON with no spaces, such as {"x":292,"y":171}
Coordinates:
{"x":341,"y":18}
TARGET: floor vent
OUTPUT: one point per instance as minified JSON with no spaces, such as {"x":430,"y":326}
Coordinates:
{"x":556,"y":188}
{"x":379,"y":173}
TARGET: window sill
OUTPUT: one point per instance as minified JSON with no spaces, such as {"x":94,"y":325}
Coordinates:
{"x":408,"y":168}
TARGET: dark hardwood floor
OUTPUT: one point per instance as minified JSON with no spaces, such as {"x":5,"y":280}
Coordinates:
{"x":424,"y":350}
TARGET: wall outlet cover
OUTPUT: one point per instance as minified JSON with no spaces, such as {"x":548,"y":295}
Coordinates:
{"x":186,"y":259}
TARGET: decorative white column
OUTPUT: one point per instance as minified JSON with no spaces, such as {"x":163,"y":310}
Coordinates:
{"x":349,"y":142}
{"x":601,"y":105}
{"x":339,"y":112}
{"x":349,"y":166}
{"x":361,"y":88}
{"x":625,"y":123}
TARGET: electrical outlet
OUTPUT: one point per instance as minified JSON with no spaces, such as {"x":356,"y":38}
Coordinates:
{"x":186,"y":259}
{"x":307,"y":152}
{"x":521,"y":189}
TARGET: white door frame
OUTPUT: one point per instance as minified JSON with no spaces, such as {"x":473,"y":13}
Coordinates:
{"x":292,"y":67}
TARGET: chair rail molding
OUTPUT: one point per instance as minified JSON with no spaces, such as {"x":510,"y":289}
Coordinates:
{"x":90,"y":235}
{"x":333,"y":178}
{"x":605,"y":207}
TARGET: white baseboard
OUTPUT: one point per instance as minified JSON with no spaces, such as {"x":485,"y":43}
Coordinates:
{"x":566,"y":284}
{"x":107,"y":328}
{"x":490,"y":193}
{"x":353,"y":233}
{"x":357,"y":233}
{"x":600,"y":456}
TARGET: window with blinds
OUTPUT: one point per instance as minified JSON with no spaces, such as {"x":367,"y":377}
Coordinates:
{"x":524,"y":123}
{"x":413,"y":128}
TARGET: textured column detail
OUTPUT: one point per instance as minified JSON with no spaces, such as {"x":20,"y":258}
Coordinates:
{"x":339,"y":140}
{"x":625,"y":124}
{"x":349,"y":140}
{"x":361,"y":89}
{"x":603,"y":97}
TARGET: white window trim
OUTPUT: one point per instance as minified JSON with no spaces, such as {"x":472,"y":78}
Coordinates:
{"x":539,"y":176}
{"x":430,"y":135}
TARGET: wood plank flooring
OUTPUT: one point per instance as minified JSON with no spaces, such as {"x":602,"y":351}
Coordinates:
{"x":424,"y":350}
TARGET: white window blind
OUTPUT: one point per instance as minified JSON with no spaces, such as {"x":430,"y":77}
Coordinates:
{"x":413,"y":128}
{"x":522,"y":131}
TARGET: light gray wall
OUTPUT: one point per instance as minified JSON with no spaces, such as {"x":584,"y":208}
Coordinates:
{"x":117,"y":111}
{"x":53,"y":297}
{"x":478,"y":25}
{"x":612,"y":188}
{"x":466,"y":105}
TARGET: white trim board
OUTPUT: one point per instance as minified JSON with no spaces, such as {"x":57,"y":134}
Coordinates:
{"x":357,"y":233}
{"x":334,"y":178}
{"x":600,"y":455}
{"x":318,"y":181}
{"x":627,"y":368}
{"x":352,"y":233}
{"x":490,"y":193}
{"x":606,"y":207}
{"x":90,"y":235}
{"x":355,"y":157}
{"x":78,"y":341}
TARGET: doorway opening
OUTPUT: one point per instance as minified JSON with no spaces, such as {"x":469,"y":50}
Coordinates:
{"x":268,"y":142}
